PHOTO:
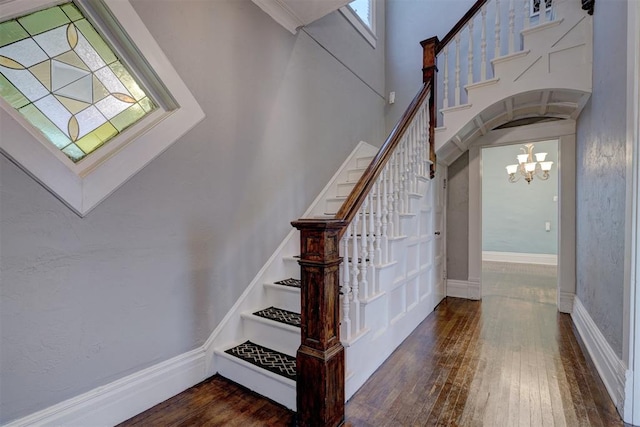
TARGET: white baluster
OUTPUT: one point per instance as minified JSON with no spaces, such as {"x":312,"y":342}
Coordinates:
{"x":385,"y":212}
{"x":421,"y":143}
{"x":346,"y":284}
{"x":414,"y":163}
{"x":399,"y":206}
{"x":407,"y":172}
{"x":427,"y":147}
{"x":364,"y":256}
{"x":543,"y":12}
{"x":525,"y":24}
{"x":396,"y":194}
{"x":379,"y":213}
{"x":497,"y":30}
{"x":390,"y":177}
{"x":457,"y":94}
{"x":445,"y":90}
{"x":425,"y":168}
{"x":371,"y":265}
{"x":470,"y":54}
{"x":512,"y":26}
{"x":355,"y":272}
{"x":416,"y":153}
{"x":404,"y":182}
{"x":483,"y":44}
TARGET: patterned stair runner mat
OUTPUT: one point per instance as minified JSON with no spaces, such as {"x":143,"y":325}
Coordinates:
{"x":280,"y":315}
{"x":294,"y":283}
{"x":265,"y":358}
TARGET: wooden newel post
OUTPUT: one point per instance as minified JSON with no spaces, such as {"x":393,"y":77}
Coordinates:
{"x":429,"y":70}
{"x":320,"y":358}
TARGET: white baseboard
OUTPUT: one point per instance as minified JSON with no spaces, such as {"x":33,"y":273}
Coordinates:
{"x":523,"y":258}
{"x":122,"y":399}
{"x":565,"y":302}
{"x":611,"y":369}
{"x":463,"y":289}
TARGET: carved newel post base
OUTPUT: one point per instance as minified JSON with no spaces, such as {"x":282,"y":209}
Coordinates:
{"x":320,"y":358}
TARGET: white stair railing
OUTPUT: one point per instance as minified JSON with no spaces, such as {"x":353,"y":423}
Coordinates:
{"x":462,"y":51}
{"x":366,"y":245}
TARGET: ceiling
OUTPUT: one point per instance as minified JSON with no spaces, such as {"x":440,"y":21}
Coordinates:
{"x":293,"y":14}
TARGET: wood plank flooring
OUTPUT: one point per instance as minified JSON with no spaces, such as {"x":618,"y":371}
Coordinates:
{"x":510,"y":360}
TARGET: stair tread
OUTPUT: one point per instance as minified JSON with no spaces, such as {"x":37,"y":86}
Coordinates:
{"x":265,"y":358}
{"x":280,"y":315}
{"x":294,"y":283}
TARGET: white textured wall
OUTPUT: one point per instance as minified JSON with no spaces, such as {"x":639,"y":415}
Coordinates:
{"x":601,"y":163}
{"x":514,"y":214}
{"x":153,"y":269}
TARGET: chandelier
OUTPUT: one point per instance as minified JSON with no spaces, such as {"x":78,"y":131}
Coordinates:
{"x":528,"y":167}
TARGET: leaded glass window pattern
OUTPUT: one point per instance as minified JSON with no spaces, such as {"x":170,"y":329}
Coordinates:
{"x":62,"y":76}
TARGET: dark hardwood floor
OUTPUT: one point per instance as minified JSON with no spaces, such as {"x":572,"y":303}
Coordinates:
{"x":510,"y":360}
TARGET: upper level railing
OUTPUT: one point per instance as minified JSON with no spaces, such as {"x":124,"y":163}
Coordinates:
{"x":488,"y":31}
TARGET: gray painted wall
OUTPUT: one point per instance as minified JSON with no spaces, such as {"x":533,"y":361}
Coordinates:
{"x":600,"y":181}
{"x":458,"y":219}
{"x":153,"y":269}
{"x":514,"y":214}
{"x":410,"y":22}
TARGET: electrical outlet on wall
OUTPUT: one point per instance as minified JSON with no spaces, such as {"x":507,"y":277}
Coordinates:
{"x":547,"y":226}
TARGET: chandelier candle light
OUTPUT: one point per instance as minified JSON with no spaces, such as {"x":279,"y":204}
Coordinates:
{"x":528,"y":167}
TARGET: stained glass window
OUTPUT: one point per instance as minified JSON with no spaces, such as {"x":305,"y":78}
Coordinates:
{"x":62,"y":76}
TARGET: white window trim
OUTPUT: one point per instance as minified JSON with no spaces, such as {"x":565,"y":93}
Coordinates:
{"x":83,"y":185}
{"x":546,"y":9}
{"x":369,"y":34}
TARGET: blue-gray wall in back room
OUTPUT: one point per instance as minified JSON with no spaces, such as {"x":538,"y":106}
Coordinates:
{"x":514,"y":214}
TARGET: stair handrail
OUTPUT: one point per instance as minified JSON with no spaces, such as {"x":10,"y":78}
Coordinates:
{"x":355,"y":199}
{"x":460,"y":25}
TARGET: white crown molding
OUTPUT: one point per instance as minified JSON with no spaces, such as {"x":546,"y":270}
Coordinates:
{"x":293,"y":14}
{"x":281,"y":14}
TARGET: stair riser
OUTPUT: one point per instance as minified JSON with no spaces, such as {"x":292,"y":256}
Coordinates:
{"x":290,"y":268}
{"x":344,"y":189}
{"x":363,"y":162}
{"x":353,"y":175}
{"x":285,"y":297}
{"x":282,"y":391}
{"x":271,"y":334}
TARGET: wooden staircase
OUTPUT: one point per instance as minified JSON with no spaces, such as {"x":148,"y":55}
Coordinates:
{"x":268,"y":314}
{"x":365,"y":265}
